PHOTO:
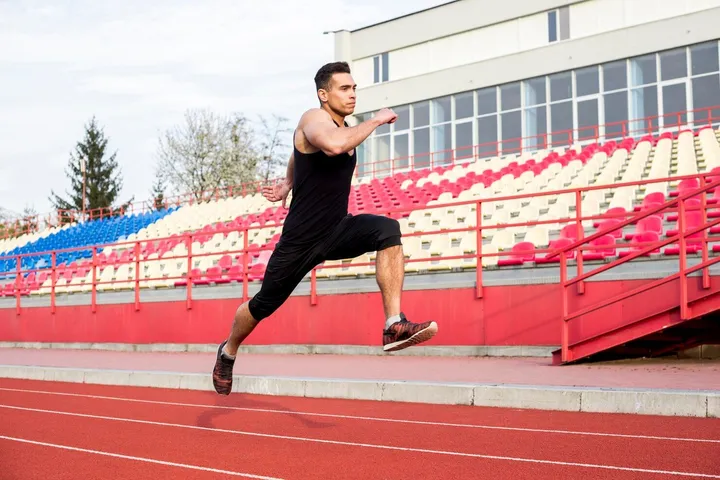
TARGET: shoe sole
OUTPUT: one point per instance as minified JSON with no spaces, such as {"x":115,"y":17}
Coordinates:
{"x":422,"y":336}
{"x":217,"y":359}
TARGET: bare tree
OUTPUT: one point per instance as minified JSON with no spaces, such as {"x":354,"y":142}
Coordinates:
{"x":273,"y":146}
{"x":206,"y":153}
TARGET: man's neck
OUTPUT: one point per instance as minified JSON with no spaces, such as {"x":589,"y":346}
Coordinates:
{"x":339,"y":119}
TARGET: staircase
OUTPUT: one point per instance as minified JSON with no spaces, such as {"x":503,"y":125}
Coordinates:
{"x":651,"y":317}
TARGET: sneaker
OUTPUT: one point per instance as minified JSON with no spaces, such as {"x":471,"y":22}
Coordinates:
{"x":405,"y":334}
{"x":223,"y":372}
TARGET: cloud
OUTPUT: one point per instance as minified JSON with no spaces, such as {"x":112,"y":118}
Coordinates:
{"x":137,"y":65}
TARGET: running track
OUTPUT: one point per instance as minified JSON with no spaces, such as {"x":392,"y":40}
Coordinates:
{"x":74,"y":431}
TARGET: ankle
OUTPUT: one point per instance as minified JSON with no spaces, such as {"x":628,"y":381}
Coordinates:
{"x":391,"y":320}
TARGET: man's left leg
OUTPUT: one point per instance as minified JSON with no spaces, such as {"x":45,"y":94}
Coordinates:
{"x":364,"y":233}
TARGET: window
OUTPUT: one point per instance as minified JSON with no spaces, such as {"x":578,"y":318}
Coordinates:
{"x":561,"y":121}
{"x":673,"y":64}
{"x":616,"y":113}
{"x":486,"y":101}
{"x":510,"y":96}
{"x":587,"y":114}
{"x":421,"y":147}
{"x":511,"y":132}
{"x":441,"y":110}
{"x":535,"y":127}
{"x":706,"y":92}
{"x":614,"y":76}
{"x":535,"y":91}
{"x":463,"y":105}
{"x":421,"y":114}
{"x":552,"y":26}
{"x":487,"y":136}
{"x":381,"y":69}
{"x":643,"y":70}
{"x":463,"y":140}
{"x":558,"y":24}
{"x":586,"y":81}
{"x":644,"y":104}
{"x":674,"y":105}
{"x":403,"y":119}
{"x":704,"y":58}
{"x":560,"y":86}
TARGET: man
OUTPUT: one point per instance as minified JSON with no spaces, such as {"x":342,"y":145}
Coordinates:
{"x":318,"y":226}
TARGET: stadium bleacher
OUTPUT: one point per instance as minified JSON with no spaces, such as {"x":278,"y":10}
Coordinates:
{"x":217,"y":226}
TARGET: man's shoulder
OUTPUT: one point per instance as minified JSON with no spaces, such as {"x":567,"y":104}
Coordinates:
{"x":314,"y":115}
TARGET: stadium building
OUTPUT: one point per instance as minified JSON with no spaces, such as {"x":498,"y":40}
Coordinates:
{"x":524,"y":129}
{"x":475,"y":79}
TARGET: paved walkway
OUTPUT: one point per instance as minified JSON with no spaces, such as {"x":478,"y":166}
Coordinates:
{"x":663,"y":387}
{"x":652,"y":374}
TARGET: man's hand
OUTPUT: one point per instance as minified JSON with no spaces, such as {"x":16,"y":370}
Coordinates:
{"x":277,"y":192}
{"x":386,"y":115}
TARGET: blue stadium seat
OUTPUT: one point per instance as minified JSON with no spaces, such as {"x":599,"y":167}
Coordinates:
{"x":96,"y":232}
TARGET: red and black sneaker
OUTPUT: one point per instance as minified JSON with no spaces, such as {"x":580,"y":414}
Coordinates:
{"x":223,"y":372}
{"x":405,"y":334}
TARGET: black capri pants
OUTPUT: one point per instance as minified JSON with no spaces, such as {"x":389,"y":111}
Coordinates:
{"x":288,"y":264}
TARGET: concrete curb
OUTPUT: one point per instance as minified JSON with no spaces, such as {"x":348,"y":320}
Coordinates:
{"x":540,"y":397}
{"x":419,"y":351}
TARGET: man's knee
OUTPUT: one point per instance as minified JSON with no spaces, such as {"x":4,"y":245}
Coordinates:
{"x":261,"y":307}
{"x":389,"y":234}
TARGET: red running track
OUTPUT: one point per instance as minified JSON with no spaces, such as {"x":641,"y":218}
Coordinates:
{"x":59,"y":430}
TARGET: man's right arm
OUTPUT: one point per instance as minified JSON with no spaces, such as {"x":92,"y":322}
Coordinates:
{"x":322,"y":132}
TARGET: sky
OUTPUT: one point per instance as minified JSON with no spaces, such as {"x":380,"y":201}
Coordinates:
{"x":137,"y":66}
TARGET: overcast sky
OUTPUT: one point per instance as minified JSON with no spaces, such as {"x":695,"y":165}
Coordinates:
{"x":137,"y":65}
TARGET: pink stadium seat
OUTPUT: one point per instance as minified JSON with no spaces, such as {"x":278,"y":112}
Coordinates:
{"x":653,"y":223}
{"x":607,"y":241}
{"x":521,"y":252}
{"x":640,"y":238}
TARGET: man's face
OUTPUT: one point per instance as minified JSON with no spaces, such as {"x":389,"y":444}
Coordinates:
{"x":341,"y":96}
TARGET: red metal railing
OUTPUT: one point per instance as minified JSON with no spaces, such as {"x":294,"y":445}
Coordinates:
{"x":610,"y":131}
{"x":245,"y":253}
{"x":708,"y":182}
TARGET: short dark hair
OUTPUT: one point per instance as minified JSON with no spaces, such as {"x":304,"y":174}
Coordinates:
{"x":323,"y":76}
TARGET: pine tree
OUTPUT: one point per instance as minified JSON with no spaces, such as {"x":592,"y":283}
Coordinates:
{"x":158,"y":193}
{"x":103,"y":180}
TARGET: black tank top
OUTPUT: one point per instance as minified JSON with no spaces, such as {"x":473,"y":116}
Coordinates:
{"x":320,"y":194}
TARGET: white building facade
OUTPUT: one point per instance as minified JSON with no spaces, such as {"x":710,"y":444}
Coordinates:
{"x":476,"y":79}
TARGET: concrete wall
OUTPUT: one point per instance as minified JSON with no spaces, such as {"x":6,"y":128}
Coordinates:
{"x":587,"y":50}
{"x":445,"y":20}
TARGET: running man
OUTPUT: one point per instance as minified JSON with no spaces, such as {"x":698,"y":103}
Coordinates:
{"x":318,"y":226}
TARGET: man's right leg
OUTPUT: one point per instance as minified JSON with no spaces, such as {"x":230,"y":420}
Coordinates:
{"x":286,"y":268}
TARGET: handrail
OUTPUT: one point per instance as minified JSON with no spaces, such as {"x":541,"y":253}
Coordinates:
{"x":642,"y":214}
{"x":680,"y":238}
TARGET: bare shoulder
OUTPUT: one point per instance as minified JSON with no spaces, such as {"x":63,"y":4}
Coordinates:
{"x":314,"y":115}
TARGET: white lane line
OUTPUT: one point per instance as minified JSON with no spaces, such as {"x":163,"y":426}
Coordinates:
{"x":367,"y":445}
{"x":373,"y":419}
{"x":138,"y":459}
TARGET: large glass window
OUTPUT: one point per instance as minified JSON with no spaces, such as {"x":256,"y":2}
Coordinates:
{"x":486,"y":101}
{"x":616,"y":114}
{"x":463,"y":105}
{"x":706,"y":98}
{"x":614,"y":76}
{"x":643,"y":70}
{"x":560,"y":86}
{"x":487,"y":136}
{"x":673,"y":64}
{"x":463,"y":140}
{"x":421,"y":147}
{"x":678,"y":88}
{"x":587,"y":81}
{"x":704,"y":58}
{"x":674,"y":105}
{"x":561,"y":122}
{"x":511,"y":132}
